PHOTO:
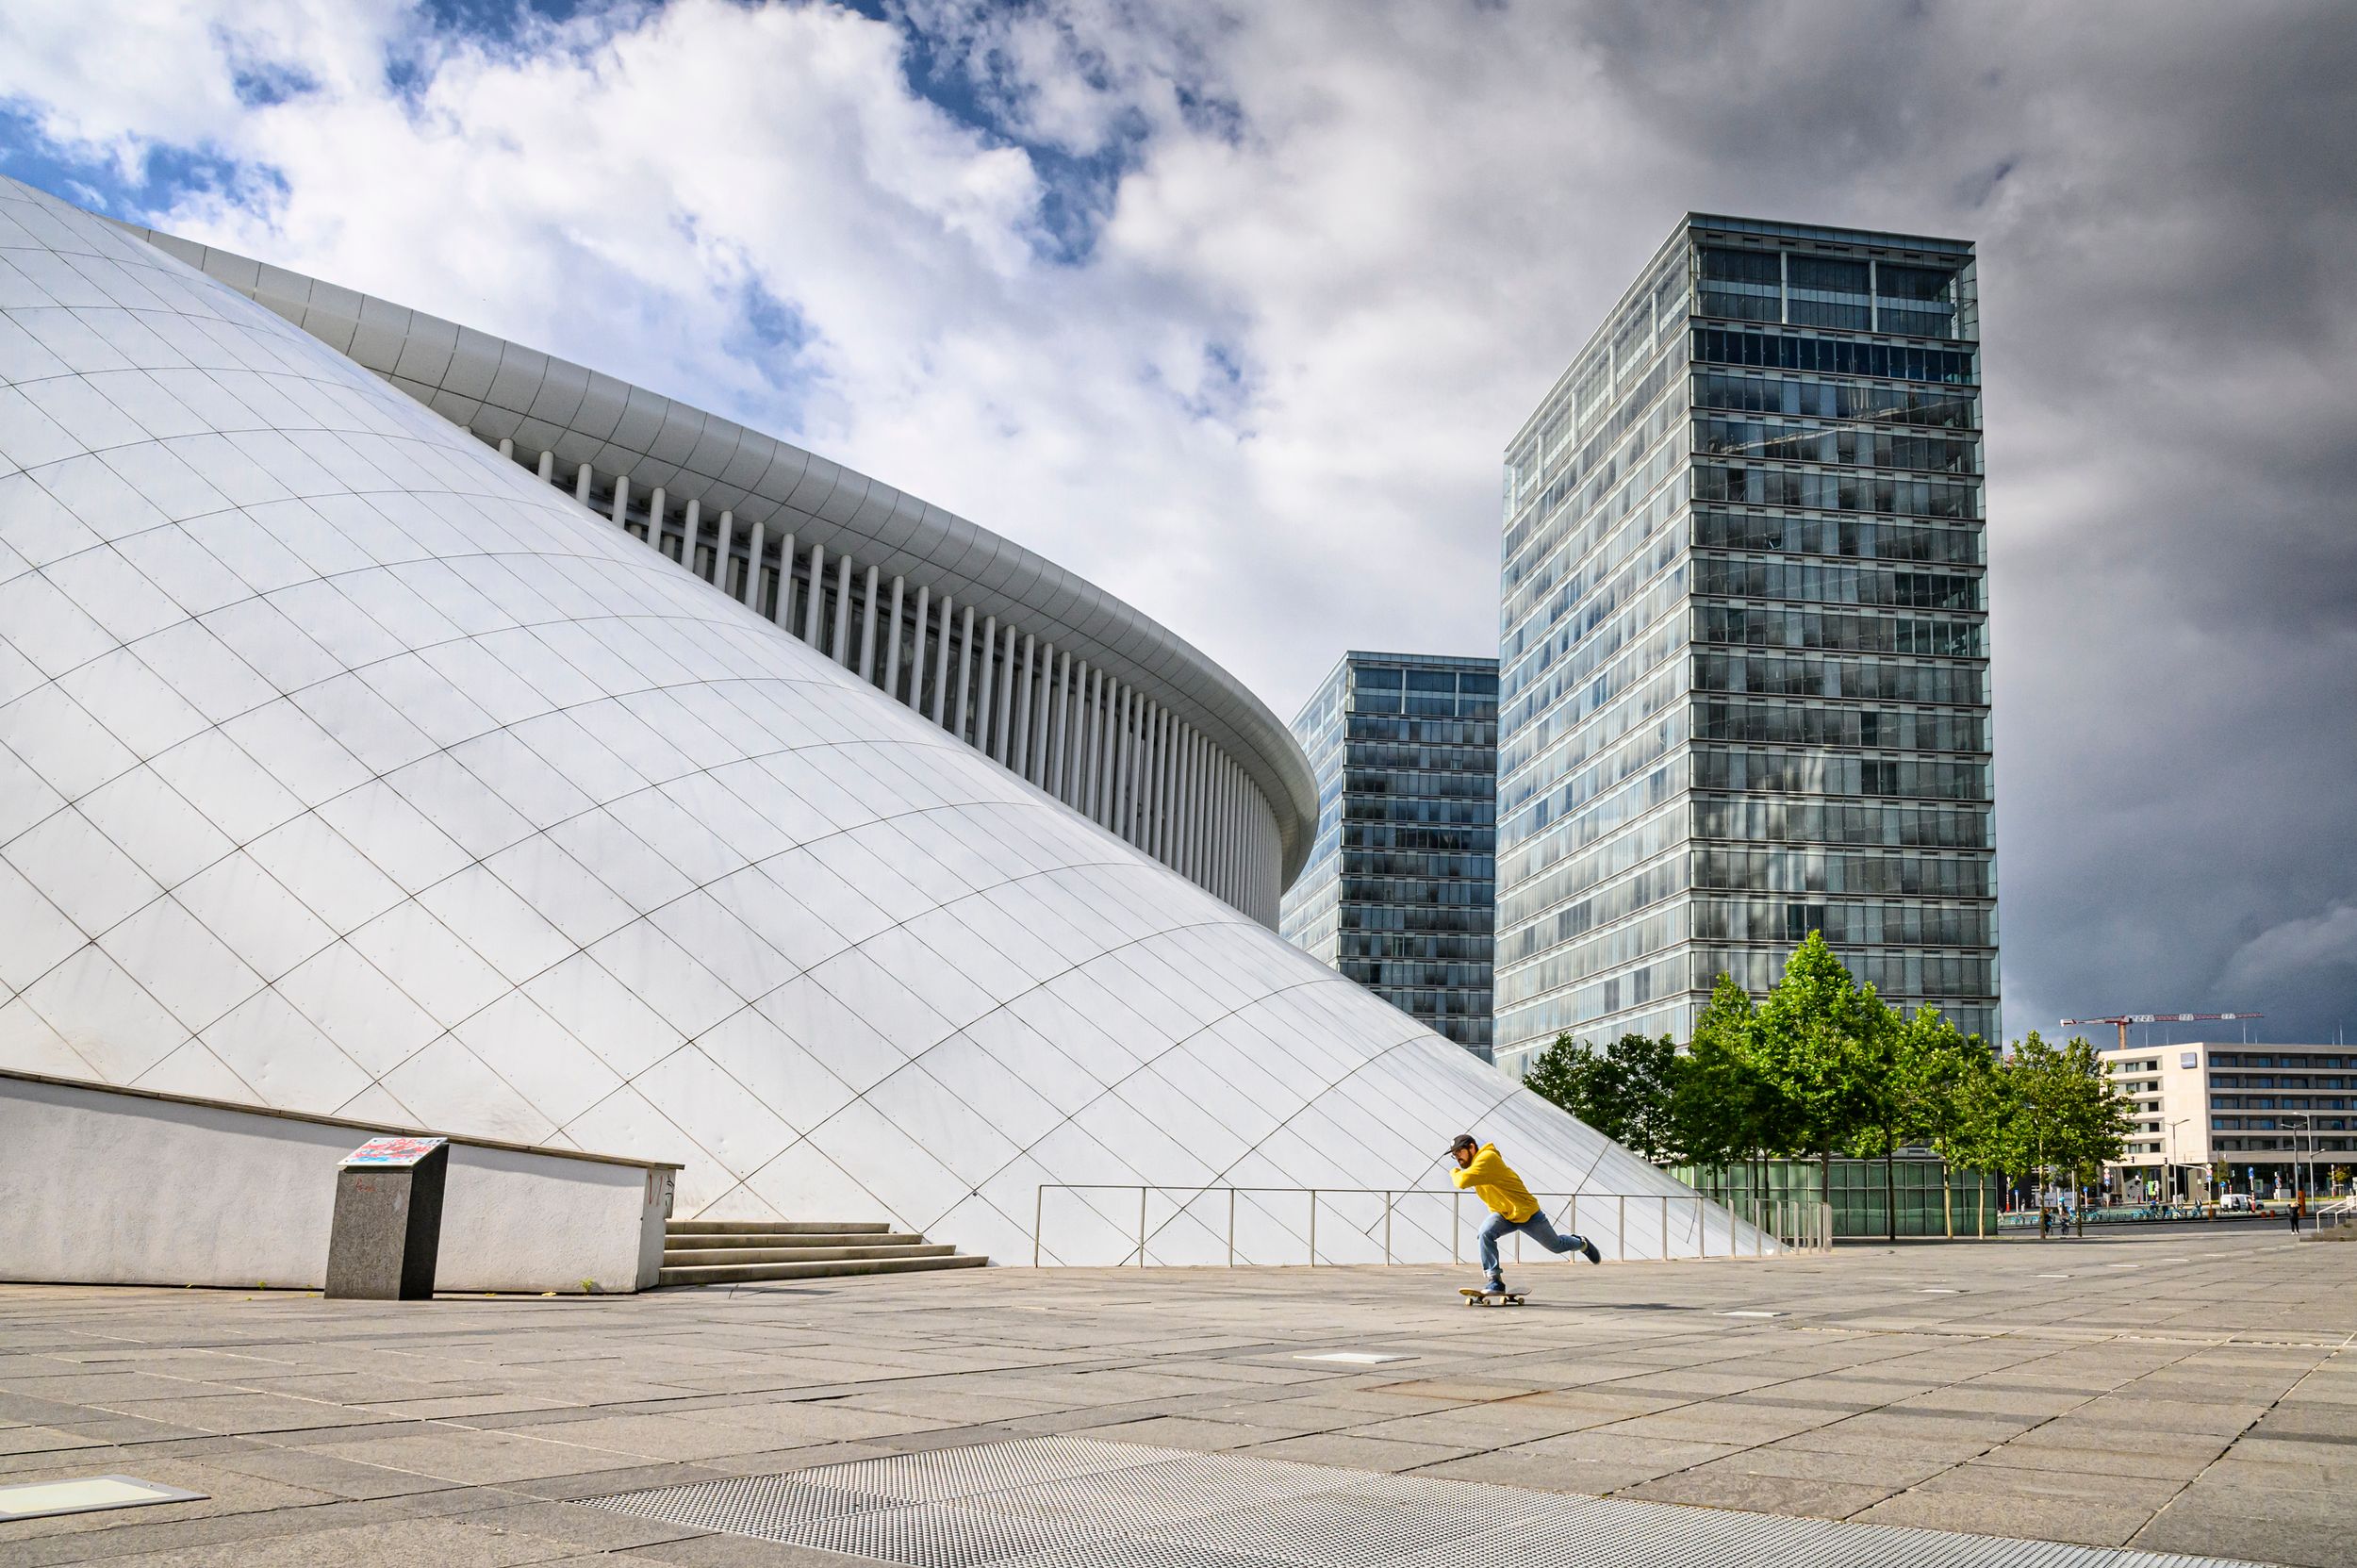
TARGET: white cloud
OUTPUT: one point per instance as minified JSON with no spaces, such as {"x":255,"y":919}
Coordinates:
{"x":1396,"y":223}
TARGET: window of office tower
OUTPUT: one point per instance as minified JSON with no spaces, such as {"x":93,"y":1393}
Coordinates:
{"x":1743,"y":641}
{"x":1398,"y":890}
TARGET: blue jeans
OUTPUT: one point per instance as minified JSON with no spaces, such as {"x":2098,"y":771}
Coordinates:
{"x":1536,"y":1228}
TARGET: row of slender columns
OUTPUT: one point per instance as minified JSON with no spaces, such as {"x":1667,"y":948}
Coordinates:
{"x":1099,"y":744}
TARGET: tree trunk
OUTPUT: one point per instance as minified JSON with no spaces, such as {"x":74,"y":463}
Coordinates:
{"x":1891,"y":1182}
{"x":1947,"y":1200}
{"x":1824,"y":1175}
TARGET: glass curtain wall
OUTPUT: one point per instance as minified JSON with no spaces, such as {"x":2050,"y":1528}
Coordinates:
{"x":1743,"y":641}
{"x":1398,"y":890}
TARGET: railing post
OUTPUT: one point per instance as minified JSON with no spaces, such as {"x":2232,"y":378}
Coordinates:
{"x":1314,"y":1228}
{"x":1387,"y":1228}
{"x":1232,"y":1228}
{"x":1456,"y":1225}
{"x":1665,"y":1227}
{"x":1620,"y":1248}
{"x":1142,"y":1191}
{"x":1039,"y":1206}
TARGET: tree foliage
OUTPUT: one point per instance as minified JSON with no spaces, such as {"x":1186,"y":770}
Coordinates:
{"x":1625,"y":1092}
{"x":1823,"y":1065}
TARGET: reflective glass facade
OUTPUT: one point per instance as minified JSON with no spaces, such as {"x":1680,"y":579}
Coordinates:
{"x":1743,"y":643}
{"x":1398,"y":890}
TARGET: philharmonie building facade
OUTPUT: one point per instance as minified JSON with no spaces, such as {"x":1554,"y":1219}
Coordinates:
{"x":408,"y":726}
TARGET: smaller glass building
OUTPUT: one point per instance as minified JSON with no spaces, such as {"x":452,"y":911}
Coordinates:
{"x":1401,"y":881}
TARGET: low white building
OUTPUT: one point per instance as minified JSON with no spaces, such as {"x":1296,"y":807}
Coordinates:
{"x":2268,"y":1113}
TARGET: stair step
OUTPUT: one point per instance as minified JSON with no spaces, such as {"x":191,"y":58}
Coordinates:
{"x":773,"y":1239}
{"x":775,"y":1226}
{"x":727,"y":1274}
{"x":697,"y":1257}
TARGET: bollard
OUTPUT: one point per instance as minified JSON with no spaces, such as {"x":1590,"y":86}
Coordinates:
{"x":387,"y":1235}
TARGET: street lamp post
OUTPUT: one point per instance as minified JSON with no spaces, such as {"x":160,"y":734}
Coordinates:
{"x":2172,"y":1155}
{"x":2308,"y":1124}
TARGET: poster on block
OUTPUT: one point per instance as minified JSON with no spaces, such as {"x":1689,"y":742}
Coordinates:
{"x":388,"y":1152}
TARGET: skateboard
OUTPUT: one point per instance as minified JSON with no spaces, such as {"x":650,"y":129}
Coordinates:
{"x":1492,"y":1298}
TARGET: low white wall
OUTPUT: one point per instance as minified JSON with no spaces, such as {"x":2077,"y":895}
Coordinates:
{"x":108,"y":1186}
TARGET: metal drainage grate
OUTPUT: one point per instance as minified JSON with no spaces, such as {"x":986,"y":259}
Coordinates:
{"x":1066,"y":1502}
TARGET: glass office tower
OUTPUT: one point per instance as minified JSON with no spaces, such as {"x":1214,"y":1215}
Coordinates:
{"x":1398,"y":890}
{"x":1743,"y":641}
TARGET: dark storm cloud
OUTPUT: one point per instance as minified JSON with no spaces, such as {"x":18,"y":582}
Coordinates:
{"x":2167,"y":263}
{"x":2165,"y":206}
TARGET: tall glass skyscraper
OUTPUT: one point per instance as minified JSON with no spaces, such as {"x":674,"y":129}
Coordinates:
{"x":1743,"y":641}
{"x":1398,"y":890}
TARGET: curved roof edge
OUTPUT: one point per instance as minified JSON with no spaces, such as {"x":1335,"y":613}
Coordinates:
{"x":502,"y":390}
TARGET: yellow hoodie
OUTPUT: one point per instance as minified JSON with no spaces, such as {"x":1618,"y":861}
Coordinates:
{"x":1497,"y":1185}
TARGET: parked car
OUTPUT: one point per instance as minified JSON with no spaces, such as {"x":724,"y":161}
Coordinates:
{"x":2236,"y":1203}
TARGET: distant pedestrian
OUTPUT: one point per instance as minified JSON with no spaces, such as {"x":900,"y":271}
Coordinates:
{"x":2299,"y":1207}
{"x":2045,"y":1222}
{"x":1511,"y":1207}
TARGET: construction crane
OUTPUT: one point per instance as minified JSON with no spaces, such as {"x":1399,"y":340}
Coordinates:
{"x":2124,"y":1019}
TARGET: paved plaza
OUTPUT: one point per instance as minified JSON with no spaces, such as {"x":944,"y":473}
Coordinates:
{"x":2188,"y":1391}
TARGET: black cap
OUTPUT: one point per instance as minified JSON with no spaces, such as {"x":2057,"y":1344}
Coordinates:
{"x":1464,"y":1139}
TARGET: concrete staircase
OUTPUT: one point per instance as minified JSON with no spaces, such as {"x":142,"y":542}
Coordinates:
{"x":740,"y":1251}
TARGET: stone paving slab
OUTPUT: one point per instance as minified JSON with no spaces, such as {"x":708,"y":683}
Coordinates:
{"x":2202,"y":1401}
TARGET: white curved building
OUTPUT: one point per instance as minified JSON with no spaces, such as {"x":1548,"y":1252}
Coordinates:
{"x":346,"y":767}
{"x":1043,"y":672}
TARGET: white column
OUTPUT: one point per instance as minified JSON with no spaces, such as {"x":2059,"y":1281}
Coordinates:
{"x":1174,"y":741}
{"x":690,"y":526}
{"x":1149,"y":782}
{"x":986,"y":682}
{"x":1095,"y":806}
{"x":1019,"y":742}
{"x":1105,"y":749}
{"x":724,"y":547}
{"x":1132,"y":713}
{"x":784,"y":615}
{"x":1001,"y":739}
{"x":917,"y":648}
{"x":941,"y":655}
{"x":966,"y":670}
{"x":1231,"y":835}
{"x":654,"y":519}
{"x":867,"y":627}
{"x":621,"y":501}
{"x":1184,"y":859}
{"x":892,"y":642}
{"x":547,"y":468}
{"x":1167,"y":833}
{"x":818,"y":594}
{"x":749,"y":589}
{"x":1035,"y":749}
{"x":842,"y":610}
{"x":1062,"y":787}
{"x":583,"y":478}
{"x":507,"y":447}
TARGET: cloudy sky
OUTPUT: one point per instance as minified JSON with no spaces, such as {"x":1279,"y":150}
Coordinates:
{"x":1233,"y":310}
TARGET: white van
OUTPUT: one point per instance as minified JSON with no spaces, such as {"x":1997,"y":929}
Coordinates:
{"x":2236,"y":1203}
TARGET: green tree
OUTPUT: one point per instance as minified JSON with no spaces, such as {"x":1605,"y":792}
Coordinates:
{"x":1943,"y":1095}
{"x":1824,"y":1043}
{"x":1569,"y":1073}
{"x":2064,"y":1113}
{"x":1625,"y":1092}
{"x":1724,"y":1110}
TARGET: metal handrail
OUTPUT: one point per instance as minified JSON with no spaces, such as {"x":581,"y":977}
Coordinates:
{"x":1795,"y":1225}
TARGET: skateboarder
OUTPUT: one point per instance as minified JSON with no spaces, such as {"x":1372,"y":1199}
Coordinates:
{"x":1511,"y":1207}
